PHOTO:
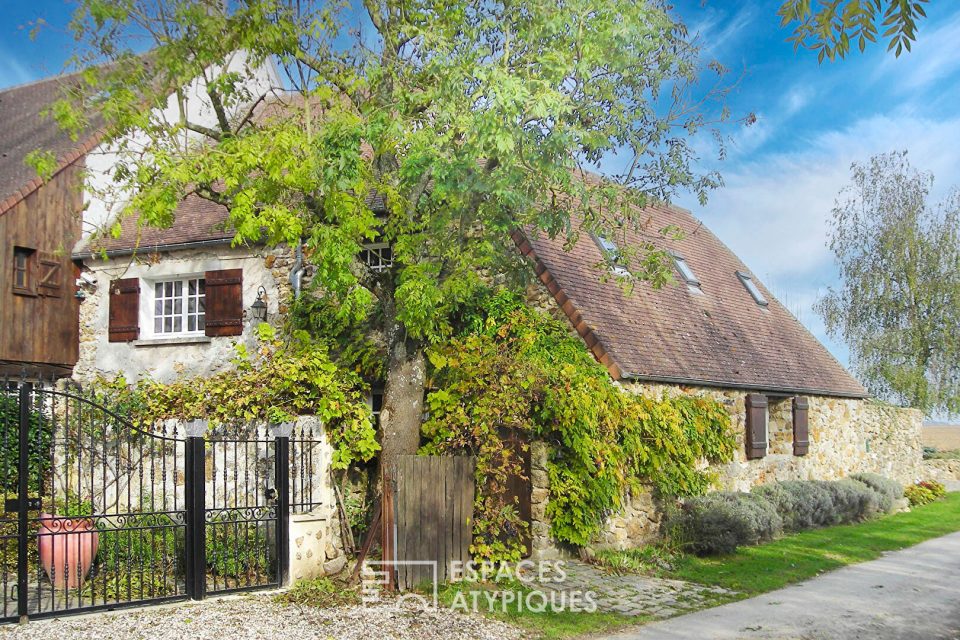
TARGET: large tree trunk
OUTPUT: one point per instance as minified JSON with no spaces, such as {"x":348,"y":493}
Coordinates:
{"x":402,"y":410}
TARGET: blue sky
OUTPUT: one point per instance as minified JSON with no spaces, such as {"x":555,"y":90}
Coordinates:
{"x":783,"y":173}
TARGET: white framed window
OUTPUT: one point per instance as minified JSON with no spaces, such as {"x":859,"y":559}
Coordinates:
{"x":378,"y":256}
{"x":179,"y":306}
{"x":683,"y":268}
{"x":752,"y":288}
{"x":612,"y":254}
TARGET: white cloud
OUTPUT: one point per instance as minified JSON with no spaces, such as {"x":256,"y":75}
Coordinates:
{"x":933,"y":57}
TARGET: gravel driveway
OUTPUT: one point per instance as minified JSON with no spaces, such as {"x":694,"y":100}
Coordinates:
{"x":258,"y":616}
{"x":912,"y":594}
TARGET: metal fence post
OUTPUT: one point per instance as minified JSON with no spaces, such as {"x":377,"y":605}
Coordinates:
{"x":196,"y":543}
{"x":282,"y":469}
{"x":23,"y":489}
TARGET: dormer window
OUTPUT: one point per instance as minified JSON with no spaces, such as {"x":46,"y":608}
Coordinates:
{"x":752,"y":288}
{"x":612,"y":255}
{"x":685,"y":271}
{"x":377,"y":256}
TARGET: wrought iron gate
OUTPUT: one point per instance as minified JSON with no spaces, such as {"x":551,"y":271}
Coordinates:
{"x":100,"y":514}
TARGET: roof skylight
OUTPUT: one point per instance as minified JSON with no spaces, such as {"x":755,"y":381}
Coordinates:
{"x":612,"y":254}
{"x":752,"y":288}
{"x":685,"y":271}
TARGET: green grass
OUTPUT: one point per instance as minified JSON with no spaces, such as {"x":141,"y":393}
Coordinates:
{"x":949,"y":454}
{"x":548,"y":625}
{"x":754,"y":570}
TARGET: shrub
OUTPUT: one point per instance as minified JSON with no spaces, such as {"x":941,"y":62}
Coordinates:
{"x":720,"y":522}
{"x":888,"y":491}
{"x":852,"y":501}
{"x":801,"y":504}
{"x":924,"y":492}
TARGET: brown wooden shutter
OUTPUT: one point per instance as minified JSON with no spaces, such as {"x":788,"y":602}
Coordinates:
{"x":801,"y":427}
{"x":49,"y":281}
{"x":224,"y":302}
{"x":124,"y":310}
{"x":756,"y":426}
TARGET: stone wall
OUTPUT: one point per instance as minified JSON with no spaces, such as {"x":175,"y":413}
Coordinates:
{"x":162,"y":359}
{"x":941,"y":470}
{"x":846,"y":436}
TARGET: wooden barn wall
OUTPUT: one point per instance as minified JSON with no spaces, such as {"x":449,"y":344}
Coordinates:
{"x":42,"y":329}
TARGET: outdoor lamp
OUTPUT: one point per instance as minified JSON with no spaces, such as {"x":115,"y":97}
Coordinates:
{"x":258,"y":310}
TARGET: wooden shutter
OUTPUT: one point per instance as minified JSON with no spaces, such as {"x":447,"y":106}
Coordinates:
{"x":224,"y":302}
{"x":50,"y":280}
{"x":124,"y":310}
{"x":756,"y":426}
{"x":801,"y":428}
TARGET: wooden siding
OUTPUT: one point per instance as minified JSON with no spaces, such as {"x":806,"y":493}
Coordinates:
{"x":42,"y":330}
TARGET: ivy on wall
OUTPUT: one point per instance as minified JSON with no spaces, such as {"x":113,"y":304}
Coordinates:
{"x":283,"y":379}
{"x":515,"y":369}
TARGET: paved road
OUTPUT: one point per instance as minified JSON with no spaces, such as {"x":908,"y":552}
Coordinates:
{"x":912,"y":594}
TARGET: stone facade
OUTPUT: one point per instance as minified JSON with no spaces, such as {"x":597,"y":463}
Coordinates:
{"x":846,"y":436}
{"x":167,"y":360}
{"x":941,"y":470}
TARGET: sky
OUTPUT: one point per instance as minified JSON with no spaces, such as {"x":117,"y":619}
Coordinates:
{"x":782,"y":174}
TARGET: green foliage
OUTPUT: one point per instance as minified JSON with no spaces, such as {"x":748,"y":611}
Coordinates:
{"x":832,"y":27}
{"x":720,"y":522}
{"x":284,"y":379}
{"x":898,"y":303}
{"x":753,"y":570}
{"x":924,"y":492}
{"x":43,"y":162}
{"x":888,"y":491}
{"x":38,"y":450}
{"x":321,"y":592}
{"x":516,"y":370}
{"x":467,"y":120}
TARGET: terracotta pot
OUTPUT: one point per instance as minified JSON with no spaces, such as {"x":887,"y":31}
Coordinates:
{"x":67,"y":548}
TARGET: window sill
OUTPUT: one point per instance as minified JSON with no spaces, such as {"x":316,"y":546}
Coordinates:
{"x":159,"y":342}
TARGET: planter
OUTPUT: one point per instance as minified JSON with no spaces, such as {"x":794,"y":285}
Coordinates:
{"x":67,"y":548}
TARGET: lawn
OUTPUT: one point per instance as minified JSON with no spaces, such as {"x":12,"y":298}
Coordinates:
{"x":754,"y":570}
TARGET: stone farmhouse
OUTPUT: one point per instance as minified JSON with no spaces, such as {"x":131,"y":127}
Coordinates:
{"x":172,"y":303}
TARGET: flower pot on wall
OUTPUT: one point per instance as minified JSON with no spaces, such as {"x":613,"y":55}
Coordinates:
{"x":67,"y":548}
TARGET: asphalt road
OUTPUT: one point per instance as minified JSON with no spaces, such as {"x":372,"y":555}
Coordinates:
{"x":912,"y":594}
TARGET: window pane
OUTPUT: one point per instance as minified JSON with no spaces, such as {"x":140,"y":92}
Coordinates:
{"x":158,"y":325}
{"x":201,"y":323}
{"x":203,"y":284}
{"x":202,"y":302}
{"x":178,"y":324}
{"x":158,"y":307}
{"x":191,"y":323}
{"x":178,"y":306}
{"x":191,"y":305}
{"x":168,"y":289}
{"x":167,"y":325}
{"x":168,"y":307}
{"x":178,"y":288}
{"x":158,"y":290}
{"x":192,"y":287}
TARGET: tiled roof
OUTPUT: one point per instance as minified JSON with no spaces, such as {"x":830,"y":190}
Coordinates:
{"x":196,"y":220}
{"x":720,"y":337}
{"x":23,"y":129}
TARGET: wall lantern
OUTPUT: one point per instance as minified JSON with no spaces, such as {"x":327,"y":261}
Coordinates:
{"x":258,"y":310}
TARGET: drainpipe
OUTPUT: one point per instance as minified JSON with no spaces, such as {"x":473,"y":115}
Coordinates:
{"x":296,"y":272}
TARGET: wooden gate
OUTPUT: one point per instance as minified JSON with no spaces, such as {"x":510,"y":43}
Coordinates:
{"x":429,"y":517}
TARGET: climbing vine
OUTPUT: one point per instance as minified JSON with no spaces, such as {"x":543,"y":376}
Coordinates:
{"x":517,"y":370}
{"x":284,"y":378}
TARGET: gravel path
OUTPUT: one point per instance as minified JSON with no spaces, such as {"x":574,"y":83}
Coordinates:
{"x":258,"y":616}
{"x":912,"y":594}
